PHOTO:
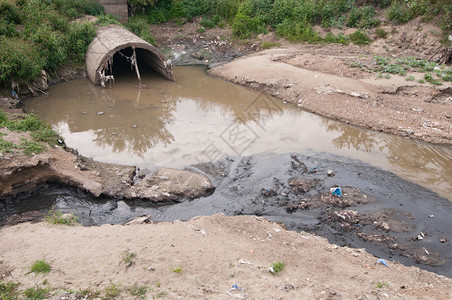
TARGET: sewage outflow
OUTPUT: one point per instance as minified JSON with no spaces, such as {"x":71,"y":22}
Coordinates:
{"x":199,"y":119}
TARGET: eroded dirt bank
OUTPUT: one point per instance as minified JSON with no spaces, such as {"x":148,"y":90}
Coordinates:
{"x":211,"y":255}
{"x":325,"y":85}
{"x":22,"y":174}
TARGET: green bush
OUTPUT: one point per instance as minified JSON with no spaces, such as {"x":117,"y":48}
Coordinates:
{"x":297,"y":32}
{"x":10,"y":13}
{"x":399,"y":13}
{"x":20,"y":60}
{"x":362,"y":17}
{"x":338,"y":39}
{"x":140,"y":27}
{"x":79,"y":37}
{"x":359,"y":38}
{"x":207,"y":23}
{"x":245,"y":26}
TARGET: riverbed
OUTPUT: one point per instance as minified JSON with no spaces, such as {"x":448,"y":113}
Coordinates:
{"x":251,"y":146}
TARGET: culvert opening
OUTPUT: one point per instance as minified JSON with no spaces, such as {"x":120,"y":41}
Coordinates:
{"x":115,"y":48}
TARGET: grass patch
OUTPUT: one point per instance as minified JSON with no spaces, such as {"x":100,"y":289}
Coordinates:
{"x":138,"y":290}
{"x":8,"y":291}
{"x":177,"y":270}
{"x":37,"y":293}
{"x":5,"y":146}
{"x":40,"y":266}
{"x":359,"y":38}
{"x":39,"y":130}
{"x":268,"y":45}
{"x":56,"y":216}
{"x":381,"y":33}
{"x":128,"y":257}
{"x":161,"y":294}
{"x":113,"y":290}
{"x":31,"y":147}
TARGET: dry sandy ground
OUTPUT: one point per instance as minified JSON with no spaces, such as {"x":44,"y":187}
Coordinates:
{"x":213,"y":253}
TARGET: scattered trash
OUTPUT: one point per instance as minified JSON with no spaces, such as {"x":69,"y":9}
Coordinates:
{"x":198,"y":230}
{"x":245,"y":262}
{"x":267,"y":192}
{"x":330,"y":173}
{"x":431,"y":216}
{"x":134,"y":126}
{"x":271,"y":270}
{"x":336,"y":191}
{"x":233,"y":292}
{"x":443,"y":240}
{"x":13,"y":93}
{"x":420,"y":236}
{"x":313,"y":170}
{"x":100,"y":113}
{"x":383,"y":262}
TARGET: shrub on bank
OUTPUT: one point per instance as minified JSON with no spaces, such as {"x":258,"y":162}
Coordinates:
{"x":39,"y":34}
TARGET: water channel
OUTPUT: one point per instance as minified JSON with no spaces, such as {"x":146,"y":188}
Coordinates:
{"x":199,"y":119}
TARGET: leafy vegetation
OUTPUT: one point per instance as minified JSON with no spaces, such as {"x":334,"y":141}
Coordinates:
{"x":127,"y":257}
{"x":113,"y":290}
{"x":40,"y":266}
{"x":39,"y":131}
{"x":138,"y":290}
{"x":8,"y":290}
{"x":277,"y":267}
{"x":55,"y":216}
{"x":177,"y":270}
{"x":38,"y":34}
{"x":293,"y":19}
{"x":434,"y":73}
{"x":37,"y":293}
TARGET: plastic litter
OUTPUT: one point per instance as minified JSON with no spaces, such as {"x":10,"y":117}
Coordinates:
{"x":336,"y":191}
{"x":13,"y":93}
{"x":233,"y":292}
{"x":313,"y":170}
{"x":431,"y":216}
{"x":383,"y":262}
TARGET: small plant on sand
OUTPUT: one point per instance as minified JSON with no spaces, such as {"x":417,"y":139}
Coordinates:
{"x":161,"y":294}
{"x":381,"y":284}
{"x":8,"y":290}
{"x":40,"y":266}
{"x":112,"y":291}
{"x":127,"y":257}
{"x":55,"y":216}
{"x":276,"y":267}
{"x":137,"y":290}
{"x":177,"y":270}
{"x":37,"y":293}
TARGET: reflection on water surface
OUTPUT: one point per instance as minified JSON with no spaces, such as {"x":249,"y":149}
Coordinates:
{"x":199,"y":118}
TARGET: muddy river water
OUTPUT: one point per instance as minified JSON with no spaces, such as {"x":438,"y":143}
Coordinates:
{"x":258,"y":144}
{"x":199,"y":118}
